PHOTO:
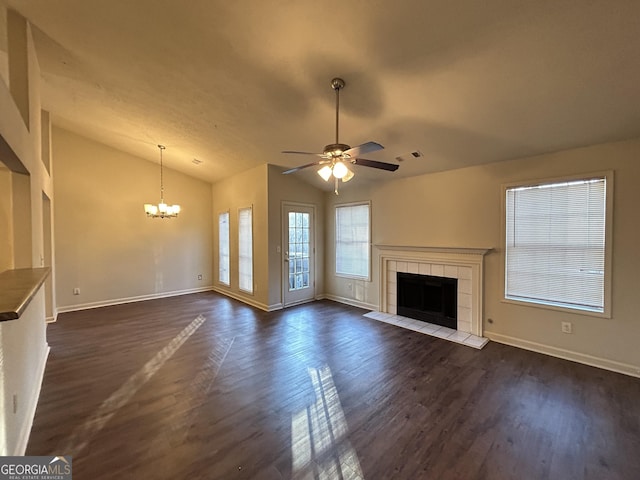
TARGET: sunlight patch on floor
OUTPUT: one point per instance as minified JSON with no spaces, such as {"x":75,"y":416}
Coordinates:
{"x":188,"y":408}
{"x":320,"y":448}
{"x":82,"y":436}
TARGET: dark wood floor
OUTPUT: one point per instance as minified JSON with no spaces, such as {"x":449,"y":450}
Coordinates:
{"x":203,"y":387}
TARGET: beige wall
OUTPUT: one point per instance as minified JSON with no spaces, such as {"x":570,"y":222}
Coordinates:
{"x":105,"y":244}
{"x":357,"y":292}
{"x":23,"y":345}
{"x":289,"y":189}
{"x":247,"y":189}
{"x":462,"y":208}
{"x":264,"y":188}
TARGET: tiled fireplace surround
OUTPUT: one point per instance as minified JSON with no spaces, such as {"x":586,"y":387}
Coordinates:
{"x":465,"y":264}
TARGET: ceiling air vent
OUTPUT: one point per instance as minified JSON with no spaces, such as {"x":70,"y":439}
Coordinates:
{"x":407,"y":156}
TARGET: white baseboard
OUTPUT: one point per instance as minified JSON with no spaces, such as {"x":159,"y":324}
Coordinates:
{"x":246,"y":299}
{"x":351,"y":301}
{"x":25,"y":430}
{"x":280,"y":306}
{"x":612,"y":365}
{"x":275,"y":306}
{"x":301,"y":302}
{"x":140,"y":298}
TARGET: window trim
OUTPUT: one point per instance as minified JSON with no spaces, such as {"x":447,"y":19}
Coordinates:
{"x":335,"y":241}
{"x":228,"y":213}
{"x":249,"y":292}
{"x":608,"y":175}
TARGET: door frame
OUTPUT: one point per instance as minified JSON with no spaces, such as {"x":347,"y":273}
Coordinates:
{"x":284,"y":278}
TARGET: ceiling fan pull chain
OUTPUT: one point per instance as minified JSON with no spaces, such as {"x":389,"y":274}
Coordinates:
{"x":335,"y":189}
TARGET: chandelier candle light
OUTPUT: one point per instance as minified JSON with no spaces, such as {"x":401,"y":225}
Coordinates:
{"x":162,"y":210}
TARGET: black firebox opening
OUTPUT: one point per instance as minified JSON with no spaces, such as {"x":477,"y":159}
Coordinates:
{"x":427,"y":298}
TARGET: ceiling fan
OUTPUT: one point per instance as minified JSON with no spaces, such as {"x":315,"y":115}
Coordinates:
{"x":336,"y":156}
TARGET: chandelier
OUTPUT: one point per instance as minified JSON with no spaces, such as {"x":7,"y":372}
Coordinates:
{"x":162,"y":210}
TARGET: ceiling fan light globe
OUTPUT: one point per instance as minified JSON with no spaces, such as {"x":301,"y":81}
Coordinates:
{"x":348,"y":176}
{"x":325,"y":173}
{"x":340,"y":170}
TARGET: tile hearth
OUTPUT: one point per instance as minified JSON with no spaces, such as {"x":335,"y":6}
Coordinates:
{"x":419,"y":326}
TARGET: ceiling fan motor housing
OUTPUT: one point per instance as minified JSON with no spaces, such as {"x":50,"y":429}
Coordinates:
{"x":335,"y":153}
{"x":336,"y":149}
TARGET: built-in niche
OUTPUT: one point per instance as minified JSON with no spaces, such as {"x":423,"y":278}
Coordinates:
{"x":6,"y":219}
{"x":15,"y":220}
{"x":15,"y":211}
{"x":22,"y":238}
{"x":45,"y":144}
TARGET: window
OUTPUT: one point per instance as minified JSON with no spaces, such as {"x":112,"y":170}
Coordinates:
{"x":353,"y":240}
{"x":556,"y":248}
{"x":299,"y":254}
{"x":245,"y":250}
{"x":223,"y":248}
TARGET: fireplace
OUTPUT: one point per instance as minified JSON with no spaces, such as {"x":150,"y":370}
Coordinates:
{"x":462,"y":264}
{"x":428,"y":298}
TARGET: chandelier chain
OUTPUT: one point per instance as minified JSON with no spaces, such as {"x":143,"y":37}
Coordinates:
{"x":161,"y":147}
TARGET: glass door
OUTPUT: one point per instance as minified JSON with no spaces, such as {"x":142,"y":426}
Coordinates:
{"x":299,"y":254}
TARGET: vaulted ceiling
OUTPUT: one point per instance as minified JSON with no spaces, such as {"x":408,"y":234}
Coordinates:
{"x":233,"y":83}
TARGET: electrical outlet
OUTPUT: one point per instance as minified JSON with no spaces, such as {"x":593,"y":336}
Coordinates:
{"x":566,"y":327}
{"x":200,"y":277}
{"x":350,"y":286}
{"x":76,"y":291}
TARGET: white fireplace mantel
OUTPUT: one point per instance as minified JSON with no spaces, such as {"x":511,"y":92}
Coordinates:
{"x":438,"y":250}
{"x":465,"y":264}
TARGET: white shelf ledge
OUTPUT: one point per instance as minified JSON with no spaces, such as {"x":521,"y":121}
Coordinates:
{"x":17,"y":289}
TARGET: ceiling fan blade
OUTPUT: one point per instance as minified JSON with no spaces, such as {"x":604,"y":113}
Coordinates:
{"x":362,"y":149}
{"x":292,"y":170}
{"x":391,"y":167}
{"x":304,"y":153}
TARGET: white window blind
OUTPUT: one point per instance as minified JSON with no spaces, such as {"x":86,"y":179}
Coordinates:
{"x":555,"y":244}
{"x":223,"y":248}
{"x":353,"y":240}
{"x":245,"y":250}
